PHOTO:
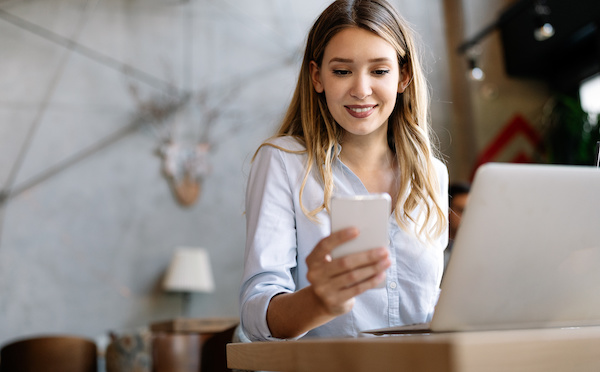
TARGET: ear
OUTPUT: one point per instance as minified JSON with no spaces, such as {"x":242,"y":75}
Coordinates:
{"x":405,"y":79}
{"x":315,"y":75}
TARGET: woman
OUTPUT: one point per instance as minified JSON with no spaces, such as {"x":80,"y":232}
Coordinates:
{"x":357,"y":124}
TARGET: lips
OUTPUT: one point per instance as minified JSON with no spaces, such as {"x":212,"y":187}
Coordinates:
{"x":360,"y":111}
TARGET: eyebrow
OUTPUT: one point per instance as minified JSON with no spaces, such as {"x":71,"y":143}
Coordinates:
{"x":348,"y":60}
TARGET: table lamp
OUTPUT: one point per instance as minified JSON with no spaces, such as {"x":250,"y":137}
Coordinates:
{"x":189,"y":271}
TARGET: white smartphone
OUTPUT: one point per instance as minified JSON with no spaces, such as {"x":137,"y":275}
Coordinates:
{"x":369,"y":214}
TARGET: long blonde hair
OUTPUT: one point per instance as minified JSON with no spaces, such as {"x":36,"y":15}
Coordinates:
{"x":308,"y":118}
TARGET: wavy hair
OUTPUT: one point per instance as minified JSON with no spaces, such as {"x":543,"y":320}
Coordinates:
{"x":308,"y":118}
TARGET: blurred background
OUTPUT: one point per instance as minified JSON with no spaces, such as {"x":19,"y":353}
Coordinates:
{"x":127,"y":129}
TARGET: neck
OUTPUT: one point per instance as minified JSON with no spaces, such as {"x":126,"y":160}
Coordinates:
{"x":373,"y":163}
{"x":366,"y":152}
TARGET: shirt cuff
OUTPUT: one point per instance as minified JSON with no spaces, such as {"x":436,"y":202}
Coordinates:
{"x":254,"y":318}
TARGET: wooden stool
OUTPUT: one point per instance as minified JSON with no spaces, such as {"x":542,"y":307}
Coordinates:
{"x":191,"y":345}
{"x":176,"y":352}
{"x":49,"y":354}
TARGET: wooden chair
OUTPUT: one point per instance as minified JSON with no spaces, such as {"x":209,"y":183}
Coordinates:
{"x":49,"y":354}
{"x":191,"y":352}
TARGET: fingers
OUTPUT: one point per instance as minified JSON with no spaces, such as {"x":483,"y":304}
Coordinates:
{"x":349,"y":272}
{"x":355,"y":261}
{"x":322,"y":252}
{"x":337,"y":282}
{"x":362,"y":286}
{"x":337,"y":295}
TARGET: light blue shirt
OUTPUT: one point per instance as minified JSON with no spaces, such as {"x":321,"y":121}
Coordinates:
{"x":280,"y":236}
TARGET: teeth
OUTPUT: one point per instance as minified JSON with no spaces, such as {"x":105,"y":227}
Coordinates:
{"x":361,"y":109}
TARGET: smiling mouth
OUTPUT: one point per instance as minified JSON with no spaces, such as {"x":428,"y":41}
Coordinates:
{"x":360,"y":111}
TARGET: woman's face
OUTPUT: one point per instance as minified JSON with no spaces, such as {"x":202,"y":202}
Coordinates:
{"x":361,"y":78}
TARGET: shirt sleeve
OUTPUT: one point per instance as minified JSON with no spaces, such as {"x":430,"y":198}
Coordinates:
{"x":271,"y":245}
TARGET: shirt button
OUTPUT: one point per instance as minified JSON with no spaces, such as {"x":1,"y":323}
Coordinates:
{"x":393,"y":285}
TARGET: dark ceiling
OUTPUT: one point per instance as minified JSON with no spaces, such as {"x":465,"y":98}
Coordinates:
{"x":565,"y":59}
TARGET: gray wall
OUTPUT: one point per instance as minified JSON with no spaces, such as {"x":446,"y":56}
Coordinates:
{"x":89,"y":222}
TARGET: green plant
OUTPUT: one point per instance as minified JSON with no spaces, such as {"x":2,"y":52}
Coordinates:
{"x":569,"y":134}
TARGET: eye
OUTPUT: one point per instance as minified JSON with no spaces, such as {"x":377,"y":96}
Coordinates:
{"x":341,"y":72}
{"x":381,"y":72}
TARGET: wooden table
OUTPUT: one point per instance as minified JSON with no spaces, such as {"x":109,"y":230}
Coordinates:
{"x":572,"y":349}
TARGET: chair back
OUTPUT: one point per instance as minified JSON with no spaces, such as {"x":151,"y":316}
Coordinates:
{"x":176,"y":352}
{"x":49,"y":354}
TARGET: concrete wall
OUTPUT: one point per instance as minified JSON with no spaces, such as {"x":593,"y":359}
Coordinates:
{"x":89,"y":223}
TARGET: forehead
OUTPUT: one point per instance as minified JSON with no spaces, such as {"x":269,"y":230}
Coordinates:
{"x":358,"y":44}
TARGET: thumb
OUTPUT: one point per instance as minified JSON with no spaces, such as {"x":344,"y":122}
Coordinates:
{"x":322,"y":252}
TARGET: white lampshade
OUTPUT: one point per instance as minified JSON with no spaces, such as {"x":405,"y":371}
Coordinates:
{"x":189,"y":271}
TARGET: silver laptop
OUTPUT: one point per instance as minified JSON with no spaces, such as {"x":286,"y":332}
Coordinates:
{"x":527,"y":253}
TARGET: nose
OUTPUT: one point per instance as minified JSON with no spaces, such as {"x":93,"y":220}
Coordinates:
{"x":361,"y":87}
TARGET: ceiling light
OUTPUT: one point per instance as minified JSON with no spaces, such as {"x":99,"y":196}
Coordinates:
{"x":475,"y":73}
{"x":543,"y":28}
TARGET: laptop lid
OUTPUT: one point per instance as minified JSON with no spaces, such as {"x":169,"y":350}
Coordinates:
{"x":527,"y":253}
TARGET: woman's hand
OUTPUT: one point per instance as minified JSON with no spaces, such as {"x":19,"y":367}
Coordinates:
{"x":335,"y":282}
